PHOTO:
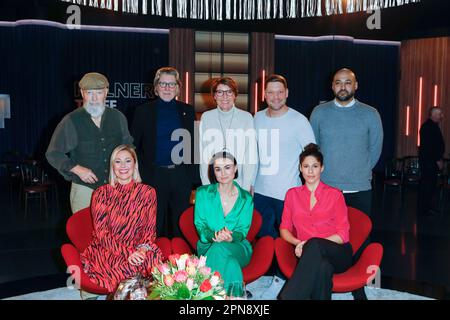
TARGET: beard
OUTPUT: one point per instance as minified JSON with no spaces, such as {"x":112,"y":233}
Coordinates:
{"x":278,"y":106}
{"x":347,"y":97}
{"x":95,"y":110}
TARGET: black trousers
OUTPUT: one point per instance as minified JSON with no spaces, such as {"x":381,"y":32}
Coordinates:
{"x":173,"y":190}
{"x":361,"y":200}
{"x":313,"y":276}
{"x":427,"y":189}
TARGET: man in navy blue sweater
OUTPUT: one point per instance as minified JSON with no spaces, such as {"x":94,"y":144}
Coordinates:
{"x":173,"y":174}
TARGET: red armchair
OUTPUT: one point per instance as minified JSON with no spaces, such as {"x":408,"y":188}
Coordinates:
{"x":360,"y":273}
{"x":79,"y":229}
{"x":263,"y":248}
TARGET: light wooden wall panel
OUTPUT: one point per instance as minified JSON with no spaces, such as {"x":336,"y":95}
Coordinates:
{"x":262,"y":58}
{"x":428,"y":59}
{"x":181,"y":57}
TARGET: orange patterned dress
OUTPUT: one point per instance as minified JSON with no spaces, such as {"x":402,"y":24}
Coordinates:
{"x":124,"y":219}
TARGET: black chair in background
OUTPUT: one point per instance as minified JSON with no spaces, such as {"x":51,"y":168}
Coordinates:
{"x":50,"y":181}
{"x":393,"y":175}
{"x":393,"y":179}
{"x":32,"y":184}
{"x":411,"y":170}
{"x":14,"y":179}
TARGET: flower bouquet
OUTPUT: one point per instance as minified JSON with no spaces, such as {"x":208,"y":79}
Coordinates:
{"x":185,"y":277}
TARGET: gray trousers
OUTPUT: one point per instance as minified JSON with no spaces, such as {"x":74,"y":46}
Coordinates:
{"x":80,"y":197}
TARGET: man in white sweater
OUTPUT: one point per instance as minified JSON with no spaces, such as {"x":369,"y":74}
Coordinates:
{"x":282,"y":134}
{"x":228,"y":128}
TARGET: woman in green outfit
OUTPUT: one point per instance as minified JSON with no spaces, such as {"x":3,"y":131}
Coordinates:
{"x":223,"y":215}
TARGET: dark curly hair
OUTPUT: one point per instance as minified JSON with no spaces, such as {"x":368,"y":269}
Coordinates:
{"x":312,"y":149}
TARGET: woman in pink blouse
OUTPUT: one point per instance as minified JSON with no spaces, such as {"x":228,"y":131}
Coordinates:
{"x":315,"y":221}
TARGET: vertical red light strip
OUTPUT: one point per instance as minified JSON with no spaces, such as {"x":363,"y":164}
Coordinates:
{"x":263,"y":85}
{"x":187,"y":87}
{"x":407,"y":121}
{"x":403,"y":244}
{"x":256,"y":97}
{"x":413,"y":265}
{"x":420,"y":111}
{"x":435,"y":95}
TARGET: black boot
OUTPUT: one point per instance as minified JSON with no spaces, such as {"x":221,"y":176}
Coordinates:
{"x":359,"y":294}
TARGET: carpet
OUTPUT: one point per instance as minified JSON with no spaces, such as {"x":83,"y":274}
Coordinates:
{"x":265,"y":288}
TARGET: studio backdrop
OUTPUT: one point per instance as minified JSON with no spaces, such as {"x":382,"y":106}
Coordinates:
{"x":308,"y":63}
{"x":42,"y":62}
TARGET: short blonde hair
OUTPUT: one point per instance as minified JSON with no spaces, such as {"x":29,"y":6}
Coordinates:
{"x":130,"y":149}
{"x":170,"y":71}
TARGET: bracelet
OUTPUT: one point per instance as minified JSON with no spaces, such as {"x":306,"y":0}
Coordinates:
{"x":145,"y":246}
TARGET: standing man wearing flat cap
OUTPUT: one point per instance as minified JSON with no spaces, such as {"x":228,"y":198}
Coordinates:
{"x":83,"y":141}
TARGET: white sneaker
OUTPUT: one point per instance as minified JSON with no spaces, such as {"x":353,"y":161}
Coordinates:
{"x":88,"y":296}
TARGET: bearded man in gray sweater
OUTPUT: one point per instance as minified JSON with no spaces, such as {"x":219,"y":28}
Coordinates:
{"x":350,"y":136}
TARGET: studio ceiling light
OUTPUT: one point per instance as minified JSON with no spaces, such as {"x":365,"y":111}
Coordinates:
{"x":240,"y":9}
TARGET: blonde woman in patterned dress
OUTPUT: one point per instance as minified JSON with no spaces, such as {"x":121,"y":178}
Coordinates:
{"x":123,"y":217}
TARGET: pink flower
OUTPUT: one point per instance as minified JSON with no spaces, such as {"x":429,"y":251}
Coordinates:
{"x":205,"y":286}
{"x":191,"y":271}
{"x":173,"y":258}
{"x":168,"y":280}
{"x":205,"y":271}
{"x":181,"y":262}
{"x":215,"y":280}
{"x":190,"y":284}
{"x":164,"y":268}
{"x":180,"y":276}
{"x":192,"y":262}
{"x":202,"y":261}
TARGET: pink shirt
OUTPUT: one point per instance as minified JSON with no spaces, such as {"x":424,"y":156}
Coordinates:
{"x":328,"y":216}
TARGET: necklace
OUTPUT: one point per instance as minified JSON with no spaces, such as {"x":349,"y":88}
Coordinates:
{"x":227,"y":197}
{"x":229,"y":126}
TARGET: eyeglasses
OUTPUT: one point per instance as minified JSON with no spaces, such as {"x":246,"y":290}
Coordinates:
{"x":171,"y":85}
{"x":220,"y":93}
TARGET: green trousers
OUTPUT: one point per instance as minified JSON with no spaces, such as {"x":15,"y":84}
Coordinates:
{"x":228,"y":258}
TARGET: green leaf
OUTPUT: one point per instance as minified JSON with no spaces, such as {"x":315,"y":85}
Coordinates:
{"x":154,"y":295}
{"x":202,"y":295}
{"x":183,"y":292}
